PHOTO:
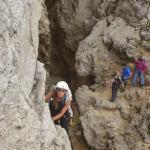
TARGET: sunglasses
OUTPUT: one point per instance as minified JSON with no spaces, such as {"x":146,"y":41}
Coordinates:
{"x":60,"y":90}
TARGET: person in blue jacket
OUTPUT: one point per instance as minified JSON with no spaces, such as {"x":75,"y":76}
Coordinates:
{"x":125,"y":75}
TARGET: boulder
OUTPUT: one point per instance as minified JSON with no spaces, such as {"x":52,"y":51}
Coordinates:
{"x":91,"y":51}
{"x":146,"y":45}
{"x":122,"y":37}
{"x":145,"y":35}
{"x":122,"y":125}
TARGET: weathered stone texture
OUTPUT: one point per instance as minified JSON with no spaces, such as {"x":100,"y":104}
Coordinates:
{"x":103,"y":35}
{"x":24,"y":118}
{"x":123,"y":125}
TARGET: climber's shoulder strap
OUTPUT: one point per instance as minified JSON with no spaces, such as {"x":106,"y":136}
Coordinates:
{"x":63,"y":101}
{"x":117,"y":82}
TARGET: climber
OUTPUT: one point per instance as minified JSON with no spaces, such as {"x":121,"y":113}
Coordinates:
{"x":59,"y":99}
{"x":139,"y":71}
{"x":125,"y":75}
{"x":116,"y":83}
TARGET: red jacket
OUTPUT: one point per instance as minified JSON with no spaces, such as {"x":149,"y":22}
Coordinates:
{"x":140,"y":65}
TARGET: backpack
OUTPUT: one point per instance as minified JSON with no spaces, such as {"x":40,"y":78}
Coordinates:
{"x":117,"y":82}
{"x":126,"y":72}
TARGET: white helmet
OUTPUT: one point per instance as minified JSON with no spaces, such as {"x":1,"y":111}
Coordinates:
{"x":62,"y":85}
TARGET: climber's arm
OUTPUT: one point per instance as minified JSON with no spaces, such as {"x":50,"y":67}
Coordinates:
{"x":48,"y":96}
{"x":64,"y":109}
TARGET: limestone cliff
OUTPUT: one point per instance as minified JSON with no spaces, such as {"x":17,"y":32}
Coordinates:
{"x":25,"y":121}
{"x":88,"y":40}
{"x":126,"y":33}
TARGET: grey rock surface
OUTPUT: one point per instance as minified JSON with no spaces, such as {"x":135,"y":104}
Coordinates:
{"x":91,"y":51}
{"x":108,"y":46}
{"x":122,"y":37}
{"x":77,"y":18}
{"x":123,"y":125}
{"x":24,"y":117}
{"x":126,"y":30}
{"x":146,"y":45}
{"x":145,"y":35}
{"x":102,"y":35}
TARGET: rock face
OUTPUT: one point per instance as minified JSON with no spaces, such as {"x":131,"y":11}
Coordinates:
{"x":95,"y":38}
{"x":124,"y":34}
{"x":123,"y":125}
{"x":93,"y":57}
{"x":24,"y":117}
{"x":122,"y":37}
{"x":45,"y":37}
{"x":77,"y":18}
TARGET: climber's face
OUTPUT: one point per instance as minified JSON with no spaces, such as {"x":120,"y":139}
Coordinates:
{"x":60,"y":92}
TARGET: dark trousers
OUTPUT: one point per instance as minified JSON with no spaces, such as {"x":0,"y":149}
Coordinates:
{"x":114,"y":93}
{"x":125,"y":82}
{"x":64,"y":122}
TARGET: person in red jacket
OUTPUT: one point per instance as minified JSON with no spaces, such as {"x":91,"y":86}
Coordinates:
{"x":140,"y":69}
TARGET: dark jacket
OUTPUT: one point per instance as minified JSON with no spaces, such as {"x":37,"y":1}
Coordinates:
{"x":56,"y":107}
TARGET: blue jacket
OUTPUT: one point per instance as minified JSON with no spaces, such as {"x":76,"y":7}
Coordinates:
{"x":126,"y":72}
